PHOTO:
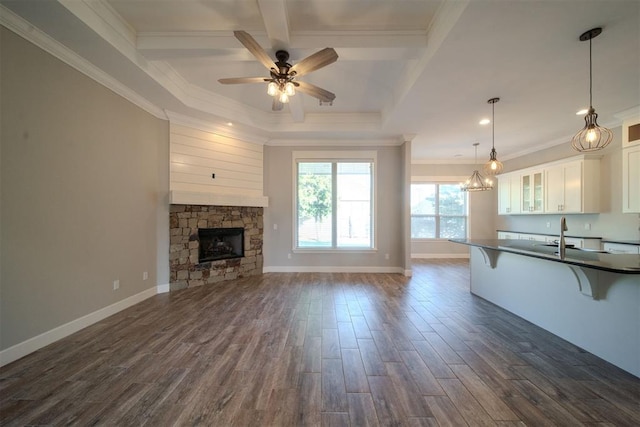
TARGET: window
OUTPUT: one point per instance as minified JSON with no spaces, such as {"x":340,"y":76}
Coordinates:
{"x":334,"y":202}
{"x":438,"y":211}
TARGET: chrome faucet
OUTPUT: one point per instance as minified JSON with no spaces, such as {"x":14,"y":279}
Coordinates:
{"x":562,"y":249}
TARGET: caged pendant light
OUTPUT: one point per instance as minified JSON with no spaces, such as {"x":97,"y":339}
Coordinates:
{"x":493,"y":166}
{"x":593,"y":136}
{"x":476,"y":182}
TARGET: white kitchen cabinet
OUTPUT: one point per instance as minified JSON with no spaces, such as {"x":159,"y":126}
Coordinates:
{"x":534,"y":237}
{"x":573,"y":186}
{"x":631,"y":179}
{"x":532,"y":191}
{"x":509,"y":194}
{"x":621,"y":248}
{"x":507,"y":235}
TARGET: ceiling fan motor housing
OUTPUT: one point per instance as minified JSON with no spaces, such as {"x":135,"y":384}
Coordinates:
{"x":283,"y":65}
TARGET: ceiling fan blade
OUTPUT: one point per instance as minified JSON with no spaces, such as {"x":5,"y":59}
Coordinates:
{"x":239,"y":80}
{"x":313,"y":62}
{"x":252,"y":45}
{"x":277,"y":105}
{"x":315,"y":91}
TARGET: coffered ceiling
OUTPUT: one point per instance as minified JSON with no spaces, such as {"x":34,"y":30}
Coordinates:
{"x":419,"y":70}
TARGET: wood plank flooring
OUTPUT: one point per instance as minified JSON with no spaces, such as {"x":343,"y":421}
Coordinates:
{"x":318,"y":350}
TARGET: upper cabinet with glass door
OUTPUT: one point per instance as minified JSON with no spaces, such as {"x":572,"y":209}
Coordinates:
{"x":532,"y":189}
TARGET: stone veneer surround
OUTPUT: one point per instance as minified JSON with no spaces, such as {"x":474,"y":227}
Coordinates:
{"x":183,"y":253}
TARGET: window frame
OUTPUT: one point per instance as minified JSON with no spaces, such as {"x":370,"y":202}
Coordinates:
{"x":335,"y":157}
{"x":438,"y":181}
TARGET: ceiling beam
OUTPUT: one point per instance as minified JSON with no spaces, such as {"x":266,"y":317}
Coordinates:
{"x":351,"y":46}
{"x":274,"y":17}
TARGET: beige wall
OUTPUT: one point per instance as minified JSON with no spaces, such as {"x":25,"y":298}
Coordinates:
{"x":482,"y":211}
{"x":611,"y":223}
{"x":279,"y":188}
{"x":84,"y":177}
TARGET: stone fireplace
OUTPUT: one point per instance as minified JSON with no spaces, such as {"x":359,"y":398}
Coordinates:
{"x":211,"y":244}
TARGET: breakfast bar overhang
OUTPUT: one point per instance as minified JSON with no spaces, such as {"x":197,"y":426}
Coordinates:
{"x":589,"y":298}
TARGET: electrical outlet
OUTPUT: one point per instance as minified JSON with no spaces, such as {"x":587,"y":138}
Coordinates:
{"x":548,"y":224}
{"x":587,"y":226}
{"x":116,"y":285}
{"x":145,"y":275}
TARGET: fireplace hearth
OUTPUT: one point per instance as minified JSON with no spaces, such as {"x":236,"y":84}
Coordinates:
{"x":220,"y":243}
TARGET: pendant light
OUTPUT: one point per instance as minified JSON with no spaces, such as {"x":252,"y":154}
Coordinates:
{"x":593,"y":136}
{"x":476,"y":182}
{"x":493,"y":166}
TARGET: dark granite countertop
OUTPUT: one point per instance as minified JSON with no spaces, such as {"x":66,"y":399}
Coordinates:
{"x":599,"y":260}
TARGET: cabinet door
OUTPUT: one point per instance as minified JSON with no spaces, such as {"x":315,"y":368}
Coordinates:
{"x":508,"y":195}
{"x":619,"y":248}
{"x":504,"y":195}
{"x":526,"y":193}
{"x":532,"y":192}
{"x":563,"y":190}
{"x":554,"y":177}
{"x":538,"y":192}
{"x":514,"y":184}
{"x":572,"y":187}
{"x":631,"y":180}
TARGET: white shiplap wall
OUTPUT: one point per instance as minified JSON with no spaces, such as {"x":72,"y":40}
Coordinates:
{"x":196,"y":154}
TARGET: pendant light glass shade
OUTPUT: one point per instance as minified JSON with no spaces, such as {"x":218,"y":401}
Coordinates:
{"x":272,"y":89}
{"x":289,"y":89}
{"x":592,"y":137}
{"x":493,"y":166}
{"x":476,"y":181}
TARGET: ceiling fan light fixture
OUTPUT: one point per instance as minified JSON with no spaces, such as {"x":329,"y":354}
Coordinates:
{"x":493,"y":166}
{"x":272,"y":89}
{"x":289,"y":89}
{"x":592,"y":137}
{"x":284,"y":98}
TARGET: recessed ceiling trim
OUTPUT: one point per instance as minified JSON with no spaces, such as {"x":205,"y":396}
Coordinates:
{"x":34,"y":35}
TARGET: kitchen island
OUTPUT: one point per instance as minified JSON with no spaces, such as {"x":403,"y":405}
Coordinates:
{"x":589,"y":298}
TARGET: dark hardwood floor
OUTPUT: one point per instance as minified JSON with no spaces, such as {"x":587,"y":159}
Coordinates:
{"x":318,"y":349}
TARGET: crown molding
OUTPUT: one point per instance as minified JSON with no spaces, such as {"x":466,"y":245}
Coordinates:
{"x":333,"y":142}
{"x":32,"y":34}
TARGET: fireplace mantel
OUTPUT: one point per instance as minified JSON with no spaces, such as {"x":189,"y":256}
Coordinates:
{"x":209,"y":199}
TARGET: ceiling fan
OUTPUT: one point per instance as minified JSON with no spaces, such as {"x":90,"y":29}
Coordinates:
{"x":281,"y":83}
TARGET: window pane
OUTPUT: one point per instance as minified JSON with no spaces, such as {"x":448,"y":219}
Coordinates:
{"x":452,"y":200}
{"x":453,"y":227}
{"x":423,"y":227}
{"x":423,"y":199}
{"x":314,"y":205}
{"x":354,"y":205}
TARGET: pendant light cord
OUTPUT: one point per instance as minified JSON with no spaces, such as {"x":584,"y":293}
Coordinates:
{"x":590,"y":77}
{"x":493,"y":125}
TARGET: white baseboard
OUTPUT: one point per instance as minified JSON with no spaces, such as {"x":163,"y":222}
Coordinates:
{"x":438,"y":256}
{"x":163,"y":289}
{"x":32,"y":344}
{"x":317,"y":269}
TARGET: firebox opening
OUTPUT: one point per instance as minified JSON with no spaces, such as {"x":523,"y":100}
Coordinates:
{"x":220,"y":243}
